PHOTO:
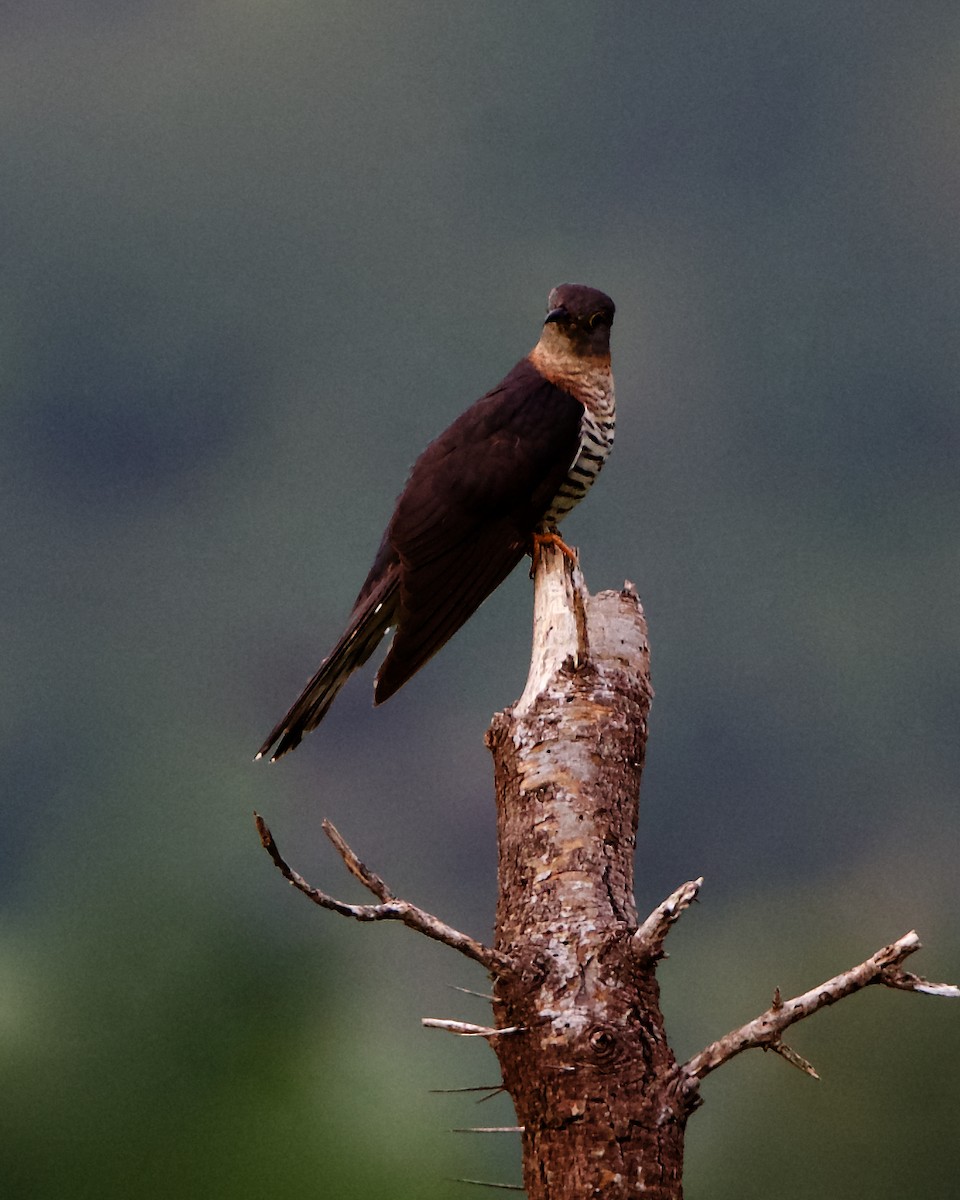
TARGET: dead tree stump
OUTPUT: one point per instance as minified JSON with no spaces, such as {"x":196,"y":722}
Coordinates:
{"x":590,"y":1071}
{"x":601,"y":1102}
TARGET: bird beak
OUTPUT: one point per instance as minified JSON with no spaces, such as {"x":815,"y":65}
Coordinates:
{"x":555,"y":314}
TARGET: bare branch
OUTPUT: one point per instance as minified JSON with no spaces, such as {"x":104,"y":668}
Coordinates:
{"x":896,"y":978}
{"x":373,"y":883}
{"x":647,"y":942}
{"x":391,"y":907}
{"x":466,"y":1029}
{"x":884,"y":967}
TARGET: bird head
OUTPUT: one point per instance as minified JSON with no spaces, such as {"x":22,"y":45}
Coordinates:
{"x":578,"y":319}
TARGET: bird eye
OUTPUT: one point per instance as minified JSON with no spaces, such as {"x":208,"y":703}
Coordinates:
{"x":594,"y":319}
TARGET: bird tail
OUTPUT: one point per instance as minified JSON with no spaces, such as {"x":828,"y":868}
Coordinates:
{"x":369,"y":622}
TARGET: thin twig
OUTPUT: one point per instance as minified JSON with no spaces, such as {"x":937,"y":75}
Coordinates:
{"x":793,"y":1058}
{"x":466,"y":1029}
{"x":489,"y":1129}
{"x":647,"y":942}
{"x":373,"y":883}
{"x":469,"y":991}
{"x":391,"y":908}
{"x":765,"y":1031}
{"x":489,"y":1087}
{"x":506,"y":1187}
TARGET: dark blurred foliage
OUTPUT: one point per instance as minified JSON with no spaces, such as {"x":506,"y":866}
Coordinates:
{"x":253,"y":258}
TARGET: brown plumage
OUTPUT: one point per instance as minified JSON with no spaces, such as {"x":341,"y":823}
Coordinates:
{"x":512,"y":465}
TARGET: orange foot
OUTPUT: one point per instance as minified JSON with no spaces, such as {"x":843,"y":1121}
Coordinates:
{"x":550,"y":538}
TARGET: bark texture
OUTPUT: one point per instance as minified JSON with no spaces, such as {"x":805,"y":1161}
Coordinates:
{"x":592,"y":1077}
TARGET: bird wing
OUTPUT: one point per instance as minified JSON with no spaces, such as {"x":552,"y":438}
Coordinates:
{"x":467,"y":513}
{"x":369,"y":622}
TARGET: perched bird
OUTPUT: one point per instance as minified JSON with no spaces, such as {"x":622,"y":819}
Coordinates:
{"x":489,"y":490}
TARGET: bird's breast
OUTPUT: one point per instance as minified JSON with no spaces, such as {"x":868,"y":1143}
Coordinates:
{"x":597,"y":427}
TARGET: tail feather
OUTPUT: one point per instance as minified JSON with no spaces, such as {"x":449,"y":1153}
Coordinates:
{"x":368,"y":624}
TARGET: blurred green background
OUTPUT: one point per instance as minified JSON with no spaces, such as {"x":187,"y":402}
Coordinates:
{"x":253,"y":258}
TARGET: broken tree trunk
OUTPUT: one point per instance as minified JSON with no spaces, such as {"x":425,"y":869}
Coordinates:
{"x":601,"y":1102}
{"x":590,"y":1071}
